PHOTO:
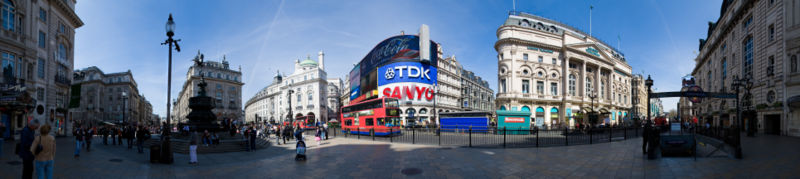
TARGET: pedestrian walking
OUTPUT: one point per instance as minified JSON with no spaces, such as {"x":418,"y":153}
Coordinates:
{"x":278,"y":135}
{"x":318,"y":136}
{"x":648,"y":126}
{"x":141,"y":136}
{"x":79,"y":134}
{"x":26,"y":141}
{"x":113,"y":132}
{"x":44,"y":149}
{"x":193,"y":140}
{"x":130,"y":134}
{"x":252,"y":137}
{"x":104,"y":132}
{"x":325,"y":130}
{"x":88,"y":138}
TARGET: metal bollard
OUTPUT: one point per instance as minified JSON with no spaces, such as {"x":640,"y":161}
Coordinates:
{"x":610,"y":130}
{"x":537,"y":138}
{"x":439,"y":133}
{"x":391,"y":135}
{"x":413,"y":136}
{"x":566,"y":137}
{"x":470,"y":136}
{"x":504,"y":137}
{"x":590,"y":135}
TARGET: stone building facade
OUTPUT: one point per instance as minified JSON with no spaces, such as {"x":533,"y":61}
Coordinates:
{"x":224,"y":85}
{"x":333,"y":102}
{"x":476,"y":95}
{"x":37,"y":45}
{"x":639,"y":99}
{"x":551,"y":69}
{"x":309,"y":86}
{"x":754,"y":39}
{"x":108,"y":97}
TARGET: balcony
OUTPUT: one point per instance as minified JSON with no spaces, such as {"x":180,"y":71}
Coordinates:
{"x":59,"y":79}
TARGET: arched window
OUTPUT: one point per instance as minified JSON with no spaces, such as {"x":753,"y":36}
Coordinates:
{"x":423,"y":111}
{"x":526,"y":108}
{"x":8,"y":14}
{"x":572,"y":85}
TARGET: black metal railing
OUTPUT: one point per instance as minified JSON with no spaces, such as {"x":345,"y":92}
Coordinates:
{"x":493,"y":137}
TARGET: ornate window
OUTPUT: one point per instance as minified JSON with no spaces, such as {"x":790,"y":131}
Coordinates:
{"x":526,"y":86}
{"x":747,"y":61}
{"x":572,"y":85}
{"x":771,"y":96}
{"x":540,"y":87}
{"x":8,"y":15}
{"x":589,"y":88}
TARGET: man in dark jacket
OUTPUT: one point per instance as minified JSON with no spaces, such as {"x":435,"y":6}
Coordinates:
{"x":113,"y":132}
{"x":104,"y":132}
{"x":26,"y":140}
{"x":141,"y":135}
{"x":648,"y":126}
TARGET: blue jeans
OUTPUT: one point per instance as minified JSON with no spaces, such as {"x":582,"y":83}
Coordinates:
{"x":78,"y":145}
{"x":44,"y":169}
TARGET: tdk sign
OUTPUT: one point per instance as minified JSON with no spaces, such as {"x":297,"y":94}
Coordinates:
{"x":406,"y":72}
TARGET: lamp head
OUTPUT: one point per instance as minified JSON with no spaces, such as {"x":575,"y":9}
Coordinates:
{"x":170,"y":26}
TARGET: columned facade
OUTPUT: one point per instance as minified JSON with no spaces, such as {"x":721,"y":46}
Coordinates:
{"x":550,"y":69}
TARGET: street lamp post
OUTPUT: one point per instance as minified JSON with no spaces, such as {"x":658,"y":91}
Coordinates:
{"x":166,"y":153}
{"x":737,"y":82}
{"x":291,"y":119}
{"x":592,"y":112}
{"x":649,"y":84}
{"x":124,"y":106}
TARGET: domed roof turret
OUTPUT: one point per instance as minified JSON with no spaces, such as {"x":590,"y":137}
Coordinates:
{"x":308,"y":62}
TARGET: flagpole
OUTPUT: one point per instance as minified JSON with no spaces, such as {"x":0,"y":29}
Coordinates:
{"x":590,"y":19}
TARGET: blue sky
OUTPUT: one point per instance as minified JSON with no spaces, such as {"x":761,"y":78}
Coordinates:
{"x":658,"y":37}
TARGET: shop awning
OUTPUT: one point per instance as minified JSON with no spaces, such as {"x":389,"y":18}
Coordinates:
{"x":793,"y":101}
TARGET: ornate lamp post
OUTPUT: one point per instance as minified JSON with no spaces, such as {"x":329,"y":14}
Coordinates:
{"x":166,"y":153}
{"x":592,"y":114}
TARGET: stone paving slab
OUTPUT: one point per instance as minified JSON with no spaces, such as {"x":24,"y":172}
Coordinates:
{"x":765,"y":156}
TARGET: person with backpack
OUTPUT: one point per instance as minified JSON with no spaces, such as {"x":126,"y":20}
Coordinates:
{"x":44,"y":149}
{"x":26,"y":141}
{"x":278,"y":135}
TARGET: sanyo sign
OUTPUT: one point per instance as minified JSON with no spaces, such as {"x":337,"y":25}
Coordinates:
{"x":416,"y":72}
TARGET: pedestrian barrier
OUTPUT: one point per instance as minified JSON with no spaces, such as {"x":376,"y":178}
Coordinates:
{"x":499,"y":137}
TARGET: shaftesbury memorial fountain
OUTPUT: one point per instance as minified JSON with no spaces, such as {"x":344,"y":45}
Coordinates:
{"x":201,"y":118}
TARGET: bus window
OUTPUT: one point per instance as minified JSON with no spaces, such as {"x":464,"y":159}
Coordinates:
{"x":356,"y":121}
{"x":369,"y":122}
{"x":348,"y":122}
{"x":391,"y":102}
{"x":381,"y":121}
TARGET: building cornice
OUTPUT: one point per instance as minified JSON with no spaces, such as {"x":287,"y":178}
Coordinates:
{"x":68,"y":12}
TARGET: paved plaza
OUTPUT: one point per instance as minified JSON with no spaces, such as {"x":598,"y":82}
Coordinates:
{"x":764,"y":157}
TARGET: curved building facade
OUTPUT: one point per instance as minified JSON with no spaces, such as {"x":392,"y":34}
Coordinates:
{"x":309,"y":86}
{"x":551,"y":69}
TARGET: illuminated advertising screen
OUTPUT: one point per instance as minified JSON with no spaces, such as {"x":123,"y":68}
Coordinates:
{"x":364,"y":78}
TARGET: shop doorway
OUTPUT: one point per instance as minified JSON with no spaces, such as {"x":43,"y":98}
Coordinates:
{"x":772,"y":124}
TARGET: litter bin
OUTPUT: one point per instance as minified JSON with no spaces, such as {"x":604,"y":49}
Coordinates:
{"x":155,"y":153}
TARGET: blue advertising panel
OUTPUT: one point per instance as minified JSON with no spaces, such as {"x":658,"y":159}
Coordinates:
{"x":355,"y":82}
{"x":416,"y":72}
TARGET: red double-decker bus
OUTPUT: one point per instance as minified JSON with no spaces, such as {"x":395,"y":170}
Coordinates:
{"x":381,"y":115}
{"x":305,"y":122}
